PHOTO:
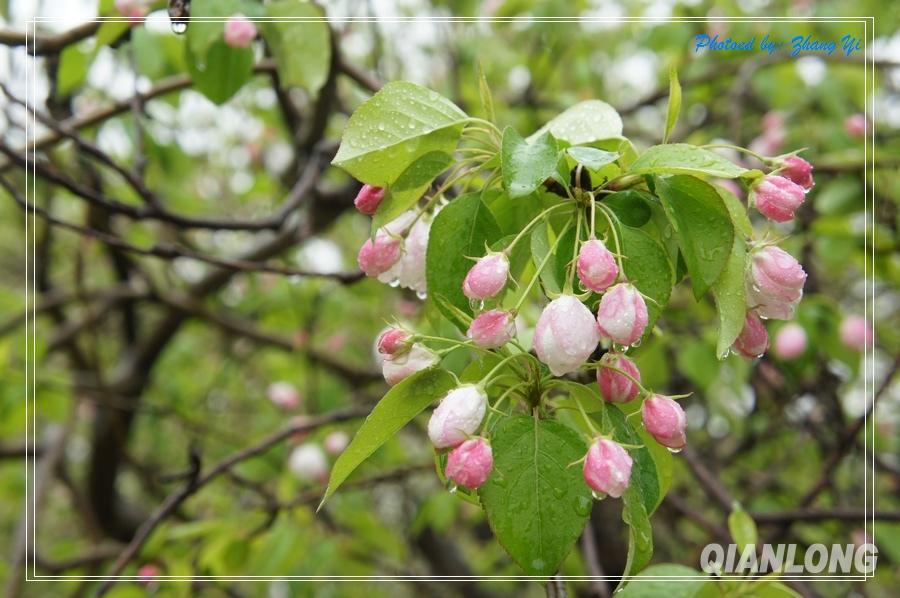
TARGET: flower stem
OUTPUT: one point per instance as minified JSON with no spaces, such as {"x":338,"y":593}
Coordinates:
{"x":541,"y":267}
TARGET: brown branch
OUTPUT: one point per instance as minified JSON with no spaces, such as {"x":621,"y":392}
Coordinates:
{"x":170,"y":251}
{"x":40,"y":45}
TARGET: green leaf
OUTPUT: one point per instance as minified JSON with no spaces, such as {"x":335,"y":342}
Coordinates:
{"x":674,"y":103}
{"x":583,"y":123}
{"x":702,"y":226}
{"x":536,"y":504}
{"x":737,"y":211}
{"x":73,"y":67}
{"x":742,"y":528}
{"x":224,"y":71}
{"x":410,"y":186}
{"x":201,"y":35}
{"x":647,"y":266}
{"x":302,"y":48}
{"x":396,"y":409}
{"x":526,"y":166}
{"x":109,"y":32}
{"x":460,"y":231}
{"x":730,"y":296}
{"x":395,"y":127}
{"x":591,"y":157}
{"x":631,"y":207}
{"x":682,"y":158}
{"x":672,"y":586}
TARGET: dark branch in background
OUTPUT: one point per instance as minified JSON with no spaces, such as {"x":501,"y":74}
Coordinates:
{"x":41,"y":45}
{"x":202,"y":478}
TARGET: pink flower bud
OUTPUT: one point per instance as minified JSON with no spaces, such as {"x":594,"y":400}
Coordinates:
{"x":376,"y":257}
{"x":566,"y":335}
{"x":487,"y":277}
{"x":753,"y":340}
{"x":774,"y":283}
{"x":336,"y":442}
{"x":283,"y":395}
{"x":308,"y":462}
{"x":855,"y":125}
{"x":458,"y":416}
{"x":799,"y":171}
{"x":614,"y":386}
{"x":492,"y":329}
{"x":147,"y":573}
{"x":856,"y":333}
{"x":398,"y":367}
{"x":133,"y":9}
{"x":470,"y":463}
{"x":393,"y":341}
{"x":597,"y":268}
{"x":790,"y":342}
{"x":622,"y":314}
{"x":239,"y":31}
{"x":607,"y":468}
{"x":664,"y":419}
{"x":368,"y":199}
{"x":777,"y":198}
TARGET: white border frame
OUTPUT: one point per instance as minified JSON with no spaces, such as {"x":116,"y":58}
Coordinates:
{"x":868,"y":304}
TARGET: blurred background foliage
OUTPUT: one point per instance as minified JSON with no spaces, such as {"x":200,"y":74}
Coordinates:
{"x":766,"y":430}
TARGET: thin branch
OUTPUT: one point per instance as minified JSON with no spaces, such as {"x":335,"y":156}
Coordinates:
{"x":174,"y":500}
{"x":40,"y":45}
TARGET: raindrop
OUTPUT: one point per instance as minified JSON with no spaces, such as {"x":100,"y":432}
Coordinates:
{"x":452,"y":489}
{"x":394,"y":283}
{"x":422,"y":295}
{"x":598,"y":495}
{"x":582,"y":506}
{"x":673,"y":450}
{"x":636,"y":343}
{"x":179,"y":27}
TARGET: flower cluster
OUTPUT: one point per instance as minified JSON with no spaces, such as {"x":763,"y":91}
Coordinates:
{"x":595,"y":316}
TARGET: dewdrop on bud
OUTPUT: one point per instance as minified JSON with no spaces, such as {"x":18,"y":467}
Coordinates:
{"x":492,"y":329}
{"x":566,"y":335}
{"x":774,"y":283}
{"x":378,"y":256}
{"x":616,"y":387}
{"x":487,"y":277}
{"x":308,"y":463}
{"x":458,"y":416}
{"x":777,"y":197}
{"x":607,"y":468}
{"x":798,"y":170}
{"x":398,"y":367}
{"x":790,"y":342}
{"x":393,"y":341}
{"x":368,"y":199}
{"x":622,"y":314}
{"x":664,"y":419}
{"x":470,"y":463}
{"x":856,"y":333}
{"x":336,"y":442}
{"x":753,"y":340}
{"x":284,"y":395}
{"x":239,"y":31}
{"x":596,"y":266}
